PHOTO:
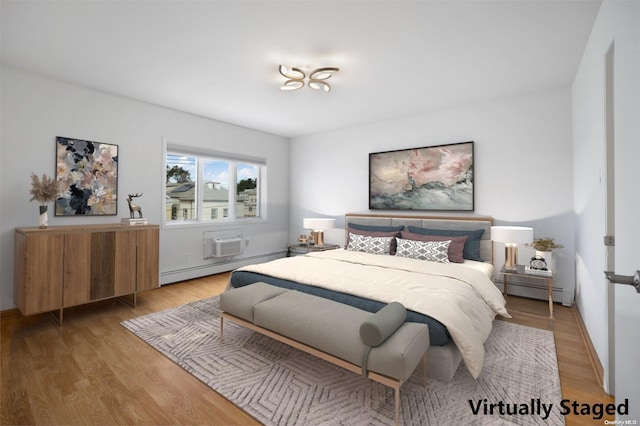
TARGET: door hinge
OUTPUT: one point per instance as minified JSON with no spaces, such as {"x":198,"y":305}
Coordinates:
{"x":609,"y":240}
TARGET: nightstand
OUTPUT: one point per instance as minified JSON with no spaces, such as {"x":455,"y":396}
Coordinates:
{"x":520,"y":272}
{"x":298,"y":249}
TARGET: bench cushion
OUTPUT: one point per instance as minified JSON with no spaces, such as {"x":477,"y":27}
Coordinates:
{"x":240,"y":301}
{"x":334,"y":328}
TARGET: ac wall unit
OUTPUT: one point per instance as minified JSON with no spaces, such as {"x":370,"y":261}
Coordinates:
{"x":222,"y":247}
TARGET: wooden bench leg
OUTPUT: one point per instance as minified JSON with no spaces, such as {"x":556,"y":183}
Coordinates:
{"x":396,"y":389}
{"x":221,"y":327}
{"x":424,"y":369}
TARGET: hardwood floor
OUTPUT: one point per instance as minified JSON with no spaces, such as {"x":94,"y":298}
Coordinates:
{"x":93,"y":371}
{"x":577,"y":377}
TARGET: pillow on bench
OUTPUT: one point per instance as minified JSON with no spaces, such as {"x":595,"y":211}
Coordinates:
{"x":378,"y":327}
{"x":382,"y":324}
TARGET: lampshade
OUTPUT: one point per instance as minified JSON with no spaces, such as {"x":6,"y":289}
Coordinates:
{"x":512,"y":234}
{"x":318,"y":224}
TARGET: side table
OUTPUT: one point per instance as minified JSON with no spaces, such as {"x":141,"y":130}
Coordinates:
{"x":298,"y":249}
{"x":520,"y":272}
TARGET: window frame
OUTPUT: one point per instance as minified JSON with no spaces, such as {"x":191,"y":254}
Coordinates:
{"x":233,"y":159}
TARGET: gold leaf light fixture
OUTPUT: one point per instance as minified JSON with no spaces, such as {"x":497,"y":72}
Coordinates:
{"x":297,"y":77}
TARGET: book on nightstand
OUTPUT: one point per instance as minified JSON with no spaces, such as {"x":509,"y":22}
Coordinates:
{"x":541,"y":272}
{"x":133,"y":222}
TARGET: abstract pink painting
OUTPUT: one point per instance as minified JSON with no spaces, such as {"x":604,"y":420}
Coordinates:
{"x":430,"y":178}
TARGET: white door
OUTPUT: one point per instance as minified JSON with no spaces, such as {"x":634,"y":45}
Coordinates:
{"x":627,"y":219}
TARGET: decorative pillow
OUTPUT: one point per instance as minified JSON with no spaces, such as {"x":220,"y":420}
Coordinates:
{"x":435,"y":251}
{"x":375,"y":245}
{"x":456,"y":247}
{"x":375,"y":228}
{"x":471,"y":247}
{"x":392,"y":249}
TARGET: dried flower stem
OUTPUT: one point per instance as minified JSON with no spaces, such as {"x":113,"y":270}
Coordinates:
{"x":44,"y":190}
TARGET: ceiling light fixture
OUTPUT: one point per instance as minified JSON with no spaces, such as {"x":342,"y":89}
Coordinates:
{"x":296,"y":78}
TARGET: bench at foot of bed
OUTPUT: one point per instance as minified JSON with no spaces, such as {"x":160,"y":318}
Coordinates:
{"x":379,"y":345}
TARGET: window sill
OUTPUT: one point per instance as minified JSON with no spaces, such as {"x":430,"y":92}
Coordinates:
{"x":212,"y":223}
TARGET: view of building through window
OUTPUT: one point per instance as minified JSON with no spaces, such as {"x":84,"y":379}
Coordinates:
{"x":198,"y":188}
{"x":247,"y":190}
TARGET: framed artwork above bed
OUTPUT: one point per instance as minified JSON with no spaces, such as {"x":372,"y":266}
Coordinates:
{"x":437,"y":178}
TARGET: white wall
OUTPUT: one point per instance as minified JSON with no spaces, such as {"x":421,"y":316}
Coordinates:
{"x":590,"y":187}
{"x":523,"y":168}
{"x":35,"y":110}
{"x":618,"y":22}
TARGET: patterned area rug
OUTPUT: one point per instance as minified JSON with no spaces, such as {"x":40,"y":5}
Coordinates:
{"x":279,"y":385}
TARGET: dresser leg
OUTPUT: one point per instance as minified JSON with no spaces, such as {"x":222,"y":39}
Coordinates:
{"x":57,"y":319}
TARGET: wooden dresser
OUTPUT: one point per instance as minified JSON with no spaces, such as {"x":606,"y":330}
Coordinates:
{"x":62,"y":266}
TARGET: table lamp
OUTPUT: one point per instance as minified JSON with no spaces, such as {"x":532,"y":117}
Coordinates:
{"x":511,"y":236}
{"x":318,"y":225}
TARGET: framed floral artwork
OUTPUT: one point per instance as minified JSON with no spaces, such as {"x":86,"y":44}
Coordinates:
{"x":88,"y":175}
{"x":430,"y":178}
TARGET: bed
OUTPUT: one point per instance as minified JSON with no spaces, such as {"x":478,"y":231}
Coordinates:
{"x":438,"y":267}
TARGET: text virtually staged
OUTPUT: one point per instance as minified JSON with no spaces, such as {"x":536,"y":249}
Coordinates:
{"x":535,"y":407}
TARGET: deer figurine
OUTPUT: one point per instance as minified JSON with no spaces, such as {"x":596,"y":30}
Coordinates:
{"x":132,"y":207}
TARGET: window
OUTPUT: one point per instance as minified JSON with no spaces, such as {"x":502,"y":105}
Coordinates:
{"x":246,"y":190}
{"x":209,"y":187}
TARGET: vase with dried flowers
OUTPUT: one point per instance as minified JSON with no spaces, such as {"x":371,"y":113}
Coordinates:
{"x":544,"y":248}
{"x":43,"y":190}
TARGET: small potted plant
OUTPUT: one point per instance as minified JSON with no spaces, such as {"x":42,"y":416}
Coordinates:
{"x":544,"y":247}
{"x":43,"y":190}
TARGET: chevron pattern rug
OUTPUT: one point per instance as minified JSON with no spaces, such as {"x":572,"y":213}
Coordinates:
{"x":280,"y":385}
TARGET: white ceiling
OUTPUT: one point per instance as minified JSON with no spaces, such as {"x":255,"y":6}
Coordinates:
{"x":219,"y":59}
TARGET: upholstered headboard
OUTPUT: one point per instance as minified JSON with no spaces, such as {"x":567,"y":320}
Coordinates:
{"x":467,"y":223}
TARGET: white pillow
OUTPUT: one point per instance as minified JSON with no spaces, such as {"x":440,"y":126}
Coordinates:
{"x":367,"y":244}
{"x":435,"y":251}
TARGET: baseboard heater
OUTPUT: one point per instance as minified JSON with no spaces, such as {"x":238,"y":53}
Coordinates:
{"x":220,"y":266}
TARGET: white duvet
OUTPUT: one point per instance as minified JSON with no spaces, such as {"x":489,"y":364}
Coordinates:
{"x":460,"y":296}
